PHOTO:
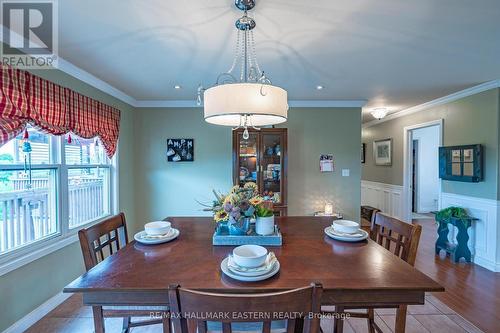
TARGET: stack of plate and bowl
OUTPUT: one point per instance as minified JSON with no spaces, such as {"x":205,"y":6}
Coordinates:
{"x":250,"y":263}
{"x":346,"y":231}
{"x":157,"y":232}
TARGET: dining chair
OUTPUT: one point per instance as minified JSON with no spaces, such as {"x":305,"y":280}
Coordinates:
{"x":98,"y":242}
{"x":368,"y":214}
{"x":402,"y":240}
{"x":192,"y":310}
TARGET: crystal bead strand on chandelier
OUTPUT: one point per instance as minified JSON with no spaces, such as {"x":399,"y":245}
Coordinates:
{"x":248,"y":99}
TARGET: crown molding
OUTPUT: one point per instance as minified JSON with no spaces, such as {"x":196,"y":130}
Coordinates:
{"x":438,"y":101}
{"x":291,"y":103}
{"x":339,"y":103}
{"x":84,"y":76}
{"x":80,"y":74}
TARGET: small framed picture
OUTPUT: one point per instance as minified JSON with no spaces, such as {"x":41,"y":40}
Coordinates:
{"x":382,"y":152}
{"x":363,"y":152}
{"x":180,"y":150}
{"x":326,"y":163}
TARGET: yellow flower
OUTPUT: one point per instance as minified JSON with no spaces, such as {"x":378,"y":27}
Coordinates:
{"x":234,"y":189}
{"x":220,"y":216}
{"x":251,"y":185}
{"x":256,"y":201}
{"x":232,"y":199}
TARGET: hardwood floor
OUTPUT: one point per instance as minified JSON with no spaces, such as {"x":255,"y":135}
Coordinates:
{"x":433,"y":317}
{"x":472,"y":297}
{"x":471,"y":290}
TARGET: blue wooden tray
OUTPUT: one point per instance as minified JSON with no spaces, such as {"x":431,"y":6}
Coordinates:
{"x":270,"y":240}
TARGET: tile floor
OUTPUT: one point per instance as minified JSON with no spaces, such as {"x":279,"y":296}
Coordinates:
{"x":434,"y":316}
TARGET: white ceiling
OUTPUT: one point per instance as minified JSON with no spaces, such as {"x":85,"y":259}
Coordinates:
{"x":392,"y":53}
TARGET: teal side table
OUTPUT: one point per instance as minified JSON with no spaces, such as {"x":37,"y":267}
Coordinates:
{"x":461,"y":249}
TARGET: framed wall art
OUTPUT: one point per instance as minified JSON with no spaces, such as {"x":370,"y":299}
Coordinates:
{"x":382,"y":152}
{"x":326,"y":163}
{"x":461,"y":163}
{"x":180,"y":150}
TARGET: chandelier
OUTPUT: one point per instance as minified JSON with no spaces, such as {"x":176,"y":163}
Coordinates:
{"x":248,"y":99}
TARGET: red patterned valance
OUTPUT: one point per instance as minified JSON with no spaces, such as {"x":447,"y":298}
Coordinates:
{"x":26,"y":98}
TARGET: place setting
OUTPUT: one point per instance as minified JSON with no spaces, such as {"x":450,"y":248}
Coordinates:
{"x":346,"y":231}
{"x":157,"y":232}
{"x":250,"y":263}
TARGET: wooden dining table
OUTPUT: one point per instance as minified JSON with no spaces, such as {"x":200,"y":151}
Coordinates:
{"x":352,"y":274}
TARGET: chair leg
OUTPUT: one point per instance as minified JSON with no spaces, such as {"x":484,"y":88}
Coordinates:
{"x":371,"y":320}
{"x":126,"y":325}
{"x":338,"y":323}
{"x":166,"y":323}
{"x":98,"y":319}
{"x":400,"y":319}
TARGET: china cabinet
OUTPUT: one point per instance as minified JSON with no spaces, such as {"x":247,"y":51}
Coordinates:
{"x":262,"y":158}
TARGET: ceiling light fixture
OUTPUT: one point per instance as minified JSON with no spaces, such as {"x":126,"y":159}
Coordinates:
{"x":177,"y":86}
{"x":379,"y":113}
{"x":247,"y":100}
{"x":319,"y":87}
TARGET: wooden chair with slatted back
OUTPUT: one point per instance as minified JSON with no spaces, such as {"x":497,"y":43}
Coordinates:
{"x":191,"y":310}
{"x":402,"y":240}
{"x":98,"y":242}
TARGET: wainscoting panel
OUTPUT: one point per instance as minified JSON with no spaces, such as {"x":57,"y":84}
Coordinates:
{"x":386,"y":197}
{"x":483,"y":233}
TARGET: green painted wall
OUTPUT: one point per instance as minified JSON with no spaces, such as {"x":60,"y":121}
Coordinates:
{"x":168,"y":189}
{"x":470,"y":120}
{"x":24,"y":289}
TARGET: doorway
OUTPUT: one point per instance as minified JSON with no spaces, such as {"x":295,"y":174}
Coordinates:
{"x":414,"y":178}
{"x":422,"y":186}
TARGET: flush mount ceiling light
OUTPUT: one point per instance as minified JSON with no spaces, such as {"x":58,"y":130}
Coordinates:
{"x":249,"y":99}
{"x":177,"y":86}
{"x":379,"y":113}
{"x":319,"y":87}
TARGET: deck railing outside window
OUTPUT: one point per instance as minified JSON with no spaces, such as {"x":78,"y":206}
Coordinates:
{"x":70,"y":187}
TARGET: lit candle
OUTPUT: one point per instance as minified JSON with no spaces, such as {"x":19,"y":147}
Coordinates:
{"x":328,"y":209}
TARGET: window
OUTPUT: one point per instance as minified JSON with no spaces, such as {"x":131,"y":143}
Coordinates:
{"x":69,"y":186}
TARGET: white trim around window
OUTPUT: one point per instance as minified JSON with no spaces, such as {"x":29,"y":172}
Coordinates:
{"x":65,"y":236}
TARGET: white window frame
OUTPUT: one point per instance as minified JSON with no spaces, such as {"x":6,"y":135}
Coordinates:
{"x":65,"y":236}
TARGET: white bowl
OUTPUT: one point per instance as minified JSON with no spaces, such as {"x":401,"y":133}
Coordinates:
{"x":345,"y":226}
{"x":250,"y":255}
{"x":157,"y":228}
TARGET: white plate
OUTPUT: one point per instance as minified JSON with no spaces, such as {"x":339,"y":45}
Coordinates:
{"x":139,"y":237}
{"x":231,"y":274}
{"x":253,"y":272}
{"x":343,"y":237}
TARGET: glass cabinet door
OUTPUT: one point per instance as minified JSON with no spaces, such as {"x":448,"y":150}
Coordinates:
{"x":271,"y":166}
{"x":247,"y":156}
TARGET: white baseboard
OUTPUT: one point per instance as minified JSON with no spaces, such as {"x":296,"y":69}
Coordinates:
{"x":386,"y":197}
{"x":483,"y":233}
{"x":27,"y":321}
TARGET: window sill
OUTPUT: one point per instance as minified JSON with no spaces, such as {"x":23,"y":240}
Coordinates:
{"x":53,"y":245}
{"x":37,"y":250}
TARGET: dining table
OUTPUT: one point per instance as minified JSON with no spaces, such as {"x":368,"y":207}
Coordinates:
{"x":351,"y":273}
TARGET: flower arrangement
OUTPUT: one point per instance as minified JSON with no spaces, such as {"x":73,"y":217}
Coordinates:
{"x":239,"y":203}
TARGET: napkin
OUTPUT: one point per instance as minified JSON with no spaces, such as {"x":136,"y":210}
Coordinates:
{"x":168,"y":234}
{"x":270,"y":261}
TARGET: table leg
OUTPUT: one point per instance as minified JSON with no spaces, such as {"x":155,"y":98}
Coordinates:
{"x":400,"y":319}
{"x":98,"y":319}
{"x":442,"y":241}
{"x":462,"y":249}
{"x":299,"y":325}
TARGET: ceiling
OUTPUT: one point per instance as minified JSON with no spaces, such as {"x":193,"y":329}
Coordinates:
{"x":392,"y":53}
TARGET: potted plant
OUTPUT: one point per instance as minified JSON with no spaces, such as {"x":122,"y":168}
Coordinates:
{"x":264,"y":224}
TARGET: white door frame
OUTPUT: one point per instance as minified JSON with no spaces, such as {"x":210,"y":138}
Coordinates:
{"x":408,"y":160}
